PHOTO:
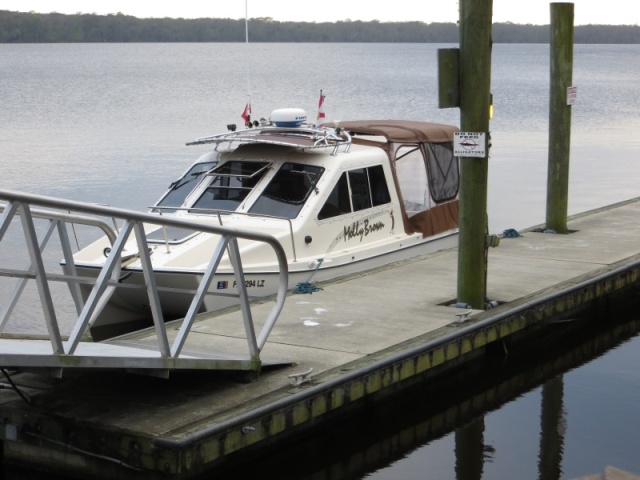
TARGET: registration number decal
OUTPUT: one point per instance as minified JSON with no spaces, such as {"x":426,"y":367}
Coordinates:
{"x":224,"y":284}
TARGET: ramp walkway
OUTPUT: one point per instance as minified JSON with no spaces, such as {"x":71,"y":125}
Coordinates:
{"x":35,"y":213}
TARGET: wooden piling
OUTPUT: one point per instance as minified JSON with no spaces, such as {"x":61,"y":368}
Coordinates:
{"x":562,"y":29}
{"x":475,"y":81}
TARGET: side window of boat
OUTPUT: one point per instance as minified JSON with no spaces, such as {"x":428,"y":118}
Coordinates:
{"x":338,"y":202}
{"x":360,"y":194}
{"x":378,"y":185}
{"x":356,"y":190}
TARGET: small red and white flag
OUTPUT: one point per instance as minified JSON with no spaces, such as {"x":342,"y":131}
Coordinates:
{"x":321,"y":115}
{"x":246,"y":114}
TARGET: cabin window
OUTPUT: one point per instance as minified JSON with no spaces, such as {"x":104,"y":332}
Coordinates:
{"x":360,"y":193}
{"x":357,"y":190}
{"x":231,"y":183}
{"x":181,"y":188}
{"x":287,"y":191}
{"x":338,"y":202}
{"x":378,"y":186}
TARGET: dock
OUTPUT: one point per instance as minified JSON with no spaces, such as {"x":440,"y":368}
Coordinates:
{"x":355,"y":341}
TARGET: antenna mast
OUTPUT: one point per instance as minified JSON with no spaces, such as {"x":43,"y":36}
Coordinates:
{"x":246,"y":22}
{"x":246,"y":57}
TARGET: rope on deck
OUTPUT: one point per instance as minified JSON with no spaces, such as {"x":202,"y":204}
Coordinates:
{"x":307,"y":286}
{"x":511,"y":233}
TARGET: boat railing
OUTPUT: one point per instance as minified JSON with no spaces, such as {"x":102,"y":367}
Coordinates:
{"x":60,"y":214}
{"x":220,"y":214}
{"x":305,"y":137}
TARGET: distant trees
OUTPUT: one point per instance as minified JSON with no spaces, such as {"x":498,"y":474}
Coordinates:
{"x":16,"y":27}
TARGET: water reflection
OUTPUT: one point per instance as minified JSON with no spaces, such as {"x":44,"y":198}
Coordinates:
{"x":553,"y":426}
{"x":470,"y":450}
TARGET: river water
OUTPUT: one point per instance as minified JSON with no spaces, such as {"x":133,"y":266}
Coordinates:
{"x":107,"y":123}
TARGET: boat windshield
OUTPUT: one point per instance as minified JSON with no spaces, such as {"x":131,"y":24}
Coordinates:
{"x":181,"y":188}
{"x":231,"y":183}
{"x":288,"y":190}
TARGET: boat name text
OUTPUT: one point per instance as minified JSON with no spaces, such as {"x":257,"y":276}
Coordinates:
{"x":361,"y":229}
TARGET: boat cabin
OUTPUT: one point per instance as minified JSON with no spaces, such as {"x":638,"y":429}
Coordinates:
{"x":275,"y":171}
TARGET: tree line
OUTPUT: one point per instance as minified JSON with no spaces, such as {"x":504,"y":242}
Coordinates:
{"x":18,"y":27}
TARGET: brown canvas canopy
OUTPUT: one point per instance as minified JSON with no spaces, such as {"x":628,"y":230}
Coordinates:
{"x":401,"y":131}
{"x":444,"y":215}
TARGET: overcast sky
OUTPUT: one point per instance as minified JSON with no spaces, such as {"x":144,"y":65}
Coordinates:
{"x":612,"y":12}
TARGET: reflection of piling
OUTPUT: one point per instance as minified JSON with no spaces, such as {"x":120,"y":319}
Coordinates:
{"x":475,"y":80}
{"x":559,"y":116}
{"x":552,"y":430}
{"x":470,"y":450}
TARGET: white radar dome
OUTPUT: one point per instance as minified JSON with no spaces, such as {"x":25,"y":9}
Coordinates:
{"x":288,"y":117}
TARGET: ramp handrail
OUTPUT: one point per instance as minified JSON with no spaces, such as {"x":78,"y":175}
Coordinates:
{"x":61,"y":212}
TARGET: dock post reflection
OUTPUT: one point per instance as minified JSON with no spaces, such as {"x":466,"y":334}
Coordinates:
{"x":469,"y":450}
{"x":553,"y":427}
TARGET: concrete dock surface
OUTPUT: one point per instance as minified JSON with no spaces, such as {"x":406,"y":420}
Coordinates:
{"x":355,"y":338}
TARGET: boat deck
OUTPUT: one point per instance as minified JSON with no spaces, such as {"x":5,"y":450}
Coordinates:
{"x":353,"y":339}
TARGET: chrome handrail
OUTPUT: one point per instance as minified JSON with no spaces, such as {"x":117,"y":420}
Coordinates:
{"x":219,"y":213}
{"x":304,"y":137}
{"x":61,"y":212}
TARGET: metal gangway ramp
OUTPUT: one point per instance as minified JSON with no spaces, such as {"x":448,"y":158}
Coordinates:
{"x":58,"y":355}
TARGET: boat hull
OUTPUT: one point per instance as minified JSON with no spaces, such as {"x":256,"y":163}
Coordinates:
{"x":128,"y":308}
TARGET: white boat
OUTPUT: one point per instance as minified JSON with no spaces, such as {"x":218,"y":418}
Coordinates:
{"x":341,"y":199}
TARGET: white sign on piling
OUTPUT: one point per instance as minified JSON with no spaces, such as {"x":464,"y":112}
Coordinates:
{"x":469,"y":144}
{"x":572,"y":94}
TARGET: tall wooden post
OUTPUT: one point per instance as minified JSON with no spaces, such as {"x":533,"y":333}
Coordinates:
{"x":559,"y":116}
{"x":475,"y":92}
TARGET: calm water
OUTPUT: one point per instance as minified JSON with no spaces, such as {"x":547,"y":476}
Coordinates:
{"x":108,"y":124}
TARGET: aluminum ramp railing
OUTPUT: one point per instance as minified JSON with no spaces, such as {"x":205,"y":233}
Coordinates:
{"x":56,"y":354}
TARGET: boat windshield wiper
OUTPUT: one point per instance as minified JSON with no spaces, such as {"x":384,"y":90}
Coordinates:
{"x":312,"y":177}
{"x":177,"y":184}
